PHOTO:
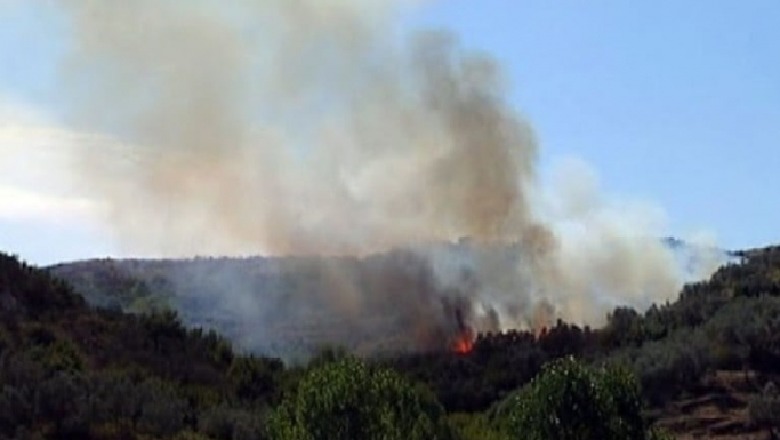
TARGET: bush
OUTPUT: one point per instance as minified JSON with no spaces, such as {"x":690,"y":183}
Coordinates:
{"x":764,"y":409}
{"x":475,"y":427}
{"x":348,"y":400}
{"x":570,"y":401}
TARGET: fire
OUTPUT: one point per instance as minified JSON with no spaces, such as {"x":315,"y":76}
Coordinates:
{"x":464,"y":343}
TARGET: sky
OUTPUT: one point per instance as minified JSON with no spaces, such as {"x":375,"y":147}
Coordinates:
{"x":676,"y":103}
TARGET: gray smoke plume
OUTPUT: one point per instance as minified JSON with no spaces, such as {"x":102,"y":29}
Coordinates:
{"x":317,"y":127}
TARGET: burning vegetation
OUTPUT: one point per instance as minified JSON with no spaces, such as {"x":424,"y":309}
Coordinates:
{"x":464,"y":342}
{"x":464,"y":338}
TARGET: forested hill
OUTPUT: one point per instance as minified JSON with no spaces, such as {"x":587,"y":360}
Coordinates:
{"x":68,"y":370}
{"x":729,"y":322}
{"x":283,"y":307}
{"x":289,"y":307}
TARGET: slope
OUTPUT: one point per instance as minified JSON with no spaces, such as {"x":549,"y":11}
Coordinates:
{"x":71,"y":371}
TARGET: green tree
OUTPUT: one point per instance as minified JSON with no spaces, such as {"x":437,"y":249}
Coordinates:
{"x":476,"y":427}
{"x":347,"y":399}
{"x":253,"y":378}
{"x":570,"y":400}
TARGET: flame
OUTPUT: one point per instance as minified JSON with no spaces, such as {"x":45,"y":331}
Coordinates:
{"x":464,"y":342}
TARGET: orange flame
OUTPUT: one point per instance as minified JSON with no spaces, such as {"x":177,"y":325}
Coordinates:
{"x":464,"y":343}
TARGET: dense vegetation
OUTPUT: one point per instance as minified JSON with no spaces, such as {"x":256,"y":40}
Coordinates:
{"x":731,"y":321}
{"x":72,"y":370}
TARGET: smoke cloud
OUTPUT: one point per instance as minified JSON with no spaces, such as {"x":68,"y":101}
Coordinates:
{"x":317,"y":127}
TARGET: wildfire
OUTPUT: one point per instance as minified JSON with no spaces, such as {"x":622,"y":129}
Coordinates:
{"x":464,"y":343}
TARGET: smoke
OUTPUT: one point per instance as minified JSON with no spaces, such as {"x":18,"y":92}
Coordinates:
{"x":318,"y":127}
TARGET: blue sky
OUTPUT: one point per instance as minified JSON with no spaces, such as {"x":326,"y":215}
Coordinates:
{"x":673,"y":102}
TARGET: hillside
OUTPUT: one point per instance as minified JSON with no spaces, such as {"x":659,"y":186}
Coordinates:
{"x":705,"y":362}
{"x":289,"y":307}
{"x":71,"y":371}
{"x":285,"y":307}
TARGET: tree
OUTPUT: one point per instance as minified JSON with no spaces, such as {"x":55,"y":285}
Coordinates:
{"x":624,"y":327}
{"x":477,"y":426}
{"x":764,"y":410}
{"x":254,"y":379}
{"x":223,"y":422}
{"x":570,"y":400}
{"x":346,"y":399}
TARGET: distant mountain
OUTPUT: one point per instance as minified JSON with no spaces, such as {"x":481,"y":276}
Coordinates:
{"x":292,"y":306}
{"x":287,"y":307}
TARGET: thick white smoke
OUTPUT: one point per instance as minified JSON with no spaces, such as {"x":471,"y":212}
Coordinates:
{"x":315,"y":127}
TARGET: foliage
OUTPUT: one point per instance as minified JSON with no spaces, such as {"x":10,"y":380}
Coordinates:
{"x":764,"y":409}
{"x":347,"y":399}
{"x":571,"y":401}
{"x":476,"y":426}
{"x":658,"y":434}
{"x":69,"y":370}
